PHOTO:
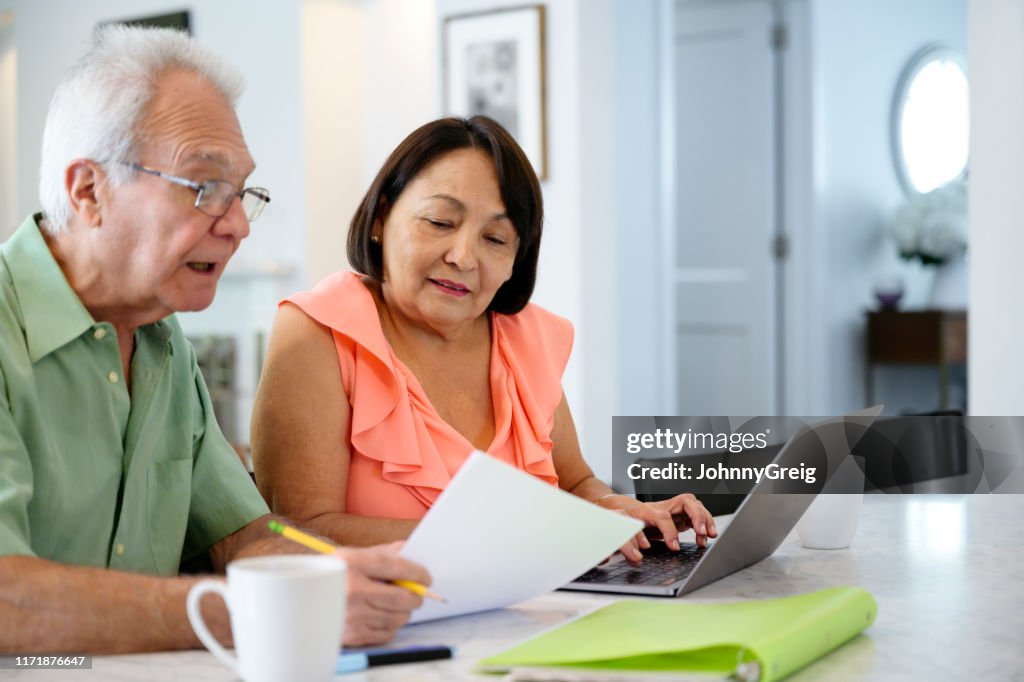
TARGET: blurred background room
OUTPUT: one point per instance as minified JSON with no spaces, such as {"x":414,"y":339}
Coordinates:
{"x":738,"y":218}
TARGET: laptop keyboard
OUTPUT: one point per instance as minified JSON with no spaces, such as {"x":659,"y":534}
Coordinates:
{"x":661,"y":566}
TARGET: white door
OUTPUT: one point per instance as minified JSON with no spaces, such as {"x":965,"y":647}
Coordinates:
{"x":724,"y":275}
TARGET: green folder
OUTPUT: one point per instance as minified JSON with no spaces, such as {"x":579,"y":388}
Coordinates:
{"x":757,"y":640}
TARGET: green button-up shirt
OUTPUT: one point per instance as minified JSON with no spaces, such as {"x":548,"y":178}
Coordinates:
{"x":90,"y":474}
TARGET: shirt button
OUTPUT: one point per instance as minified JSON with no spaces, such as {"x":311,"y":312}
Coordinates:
{"x":113,"y":377}
{"x":119,"y":550}
{"x":99,"y":334}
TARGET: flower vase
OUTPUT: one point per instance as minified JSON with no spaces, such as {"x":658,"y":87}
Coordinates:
{"x":949,"y":287}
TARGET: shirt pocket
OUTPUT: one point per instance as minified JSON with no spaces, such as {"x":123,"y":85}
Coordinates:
{"x":168,"y":499}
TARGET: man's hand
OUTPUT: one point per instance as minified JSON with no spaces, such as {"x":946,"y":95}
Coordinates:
{"x":376,"y":608}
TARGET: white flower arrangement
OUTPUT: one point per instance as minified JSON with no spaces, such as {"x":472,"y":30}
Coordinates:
{"x":932,"y":227}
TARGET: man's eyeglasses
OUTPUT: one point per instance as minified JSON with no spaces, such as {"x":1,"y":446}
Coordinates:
{"x":214,"y":197}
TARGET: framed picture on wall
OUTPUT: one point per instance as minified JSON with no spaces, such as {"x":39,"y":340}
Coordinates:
{"x":177,"y":20}
{"x":493,"y":64}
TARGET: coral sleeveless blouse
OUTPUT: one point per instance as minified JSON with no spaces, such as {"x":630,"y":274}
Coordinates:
{"x":403,"y":453}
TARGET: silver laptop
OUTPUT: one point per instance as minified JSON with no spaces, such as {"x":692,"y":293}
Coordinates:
{"x":761,"y":523}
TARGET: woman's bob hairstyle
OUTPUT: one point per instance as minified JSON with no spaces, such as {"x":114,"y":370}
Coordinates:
{"x":519,"y":187}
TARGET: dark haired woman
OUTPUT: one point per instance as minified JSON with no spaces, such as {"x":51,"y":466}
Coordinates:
{"x":379,"y":385}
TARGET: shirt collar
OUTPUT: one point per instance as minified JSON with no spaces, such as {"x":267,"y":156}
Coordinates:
{"x":52,"y":312}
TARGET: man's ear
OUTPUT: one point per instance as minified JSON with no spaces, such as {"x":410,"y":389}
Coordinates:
{"x":81,"y":181}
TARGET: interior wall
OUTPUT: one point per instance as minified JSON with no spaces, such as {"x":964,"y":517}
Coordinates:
{"x":369,"y":79}
{"x":858,"y":52}
{"x":8,"y":124}
{"x":334,"y":121}
{"x":996,"y":323}
{"x":641,"y":375}
{"x":402,"y":75}
{"x":599,"y":225}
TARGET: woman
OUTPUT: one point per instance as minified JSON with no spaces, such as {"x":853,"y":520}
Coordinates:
{"x":378,"y":385}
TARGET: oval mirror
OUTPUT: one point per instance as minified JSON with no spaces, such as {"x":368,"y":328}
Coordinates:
{"x":930,"y":120}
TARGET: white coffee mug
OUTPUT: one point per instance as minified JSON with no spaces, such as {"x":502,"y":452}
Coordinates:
{"x":287,"y":616}
{"x":831,"y":521}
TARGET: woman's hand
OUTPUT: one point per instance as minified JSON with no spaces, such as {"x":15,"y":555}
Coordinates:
{"x":668,"y":517}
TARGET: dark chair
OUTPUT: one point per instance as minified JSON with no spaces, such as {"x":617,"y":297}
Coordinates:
{"x":901,"y":451}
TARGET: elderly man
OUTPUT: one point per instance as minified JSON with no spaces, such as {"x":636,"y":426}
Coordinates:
{"x":112,"y":468}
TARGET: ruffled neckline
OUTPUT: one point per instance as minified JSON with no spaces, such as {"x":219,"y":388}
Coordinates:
{"x":393,"y":420}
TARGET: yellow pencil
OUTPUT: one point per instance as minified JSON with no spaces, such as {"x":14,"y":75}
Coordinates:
{"x":318,"y":545}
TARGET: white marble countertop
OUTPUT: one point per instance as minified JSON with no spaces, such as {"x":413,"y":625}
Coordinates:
{"x":946,"y":571}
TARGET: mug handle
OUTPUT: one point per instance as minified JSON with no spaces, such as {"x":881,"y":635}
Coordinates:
{"x":195,"y":617}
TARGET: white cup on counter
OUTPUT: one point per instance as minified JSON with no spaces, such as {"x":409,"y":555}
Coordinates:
{"x":287,"y":616}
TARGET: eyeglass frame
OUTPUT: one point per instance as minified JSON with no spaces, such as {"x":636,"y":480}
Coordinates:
{"x":261,"y":193}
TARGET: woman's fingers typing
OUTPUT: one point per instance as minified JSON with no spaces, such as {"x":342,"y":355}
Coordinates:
{"x":667,"y":518}
{"x":688,"y":512}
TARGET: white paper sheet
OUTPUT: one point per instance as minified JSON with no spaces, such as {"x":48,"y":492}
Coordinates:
{"x":497,"y":536}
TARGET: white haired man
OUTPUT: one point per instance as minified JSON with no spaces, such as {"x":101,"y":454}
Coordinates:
{"x":112,"y":467}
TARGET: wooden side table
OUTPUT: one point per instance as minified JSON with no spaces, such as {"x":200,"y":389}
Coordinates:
{"x":917,"y":337}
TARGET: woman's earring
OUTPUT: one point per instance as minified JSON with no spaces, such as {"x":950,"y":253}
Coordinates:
{"x":375,"y":239}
